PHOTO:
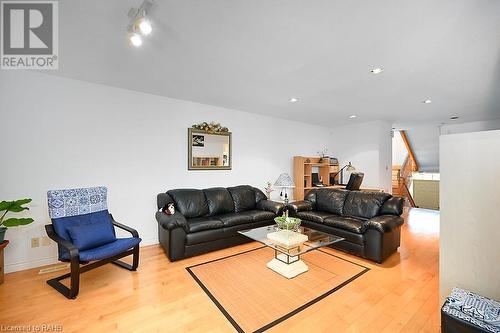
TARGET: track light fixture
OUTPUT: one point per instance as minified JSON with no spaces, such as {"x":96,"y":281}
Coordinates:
{"x":139,"y":25}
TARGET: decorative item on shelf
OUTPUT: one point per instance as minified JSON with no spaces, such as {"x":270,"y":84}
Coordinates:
{"x":286,"y":222}
{"x":15,"y":206}
{"x":307,"y":160}
{"x":322,"y":155}
{"x":268,"y":189}
{"x":347,"y":167}
{"x":334,"y":161}
{"x":211,"y":127}
{"x":284,"y":181}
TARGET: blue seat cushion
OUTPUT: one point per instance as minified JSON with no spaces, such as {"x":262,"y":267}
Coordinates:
{"x":88,"y":236}
{"x":105,"y":251}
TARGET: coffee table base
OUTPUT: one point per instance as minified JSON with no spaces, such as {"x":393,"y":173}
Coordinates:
{"x":288,"y":270}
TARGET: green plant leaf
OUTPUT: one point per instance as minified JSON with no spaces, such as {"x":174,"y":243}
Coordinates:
{"x":13,"y":222}
{"x":21,"y":202}
{"x":5,"y":204}
{"x":17,"y":205}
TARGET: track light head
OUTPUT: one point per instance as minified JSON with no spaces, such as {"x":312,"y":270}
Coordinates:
{"x":135,"y":39}
{"x":139,"y":25}
{"x":145,"y":26}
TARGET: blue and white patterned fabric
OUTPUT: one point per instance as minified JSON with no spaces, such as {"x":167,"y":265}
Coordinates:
{"x":72,"y":202}
{"x":474,"y":309}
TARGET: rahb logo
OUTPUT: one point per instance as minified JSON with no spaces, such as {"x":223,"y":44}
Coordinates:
{"x":29,"y":35}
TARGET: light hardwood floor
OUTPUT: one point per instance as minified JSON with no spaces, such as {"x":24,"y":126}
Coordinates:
{"x":400,"y":295}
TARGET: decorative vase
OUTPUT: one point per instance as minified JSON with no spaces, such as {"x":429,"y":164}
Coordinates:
{"x":2,"y":233}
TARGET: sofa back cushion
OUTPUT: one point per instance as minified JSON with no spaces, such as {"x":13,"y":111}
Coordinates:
{"x":331,"y":200}
{"x":243,"y":197}
{"x":364,"y":204}
{"x":219,"y":200}
{"x":259,"y":195}
{"x":393,"y":206}
{"x":190,"y":202}
{"x":311,"y":197}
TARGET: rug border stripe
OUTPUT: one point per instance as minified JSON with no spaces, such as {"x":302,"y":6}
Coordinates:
{"x":282,"y":318}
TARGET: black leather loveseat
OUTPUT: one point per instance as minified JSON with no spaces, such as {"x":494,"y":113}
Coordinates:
{"x":370,"y":222}
{"x":208,"y":220}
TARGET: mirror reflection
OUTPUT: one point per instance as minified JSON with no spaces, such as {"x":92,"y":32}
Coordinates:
{"x":209,"y":150}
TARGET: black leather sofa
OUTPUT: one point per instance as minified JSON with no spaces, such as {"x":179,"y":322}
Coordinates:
{"x":208,"y":220}
{"x":370,"y":222}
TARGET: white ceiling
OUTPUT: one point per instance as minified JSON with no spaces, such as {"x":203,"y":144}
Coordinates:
{"x":253,"y":55}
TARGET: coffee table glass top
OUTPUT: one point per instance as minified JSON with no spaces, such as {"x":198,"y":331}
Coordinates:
{"x":315,"y":239}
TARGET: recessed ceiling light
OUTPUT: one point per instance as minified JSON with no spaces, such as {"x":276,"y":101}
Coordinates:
{"x":293,"y":100}
{"x":427,"y":101}
{"x":377,"y":70}
{"x":454,"y":117}
{"x":353,"y":116}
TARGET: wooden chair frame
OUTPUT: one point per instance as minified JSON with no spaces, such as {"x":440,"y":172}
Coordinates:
{"x":76,"y":269}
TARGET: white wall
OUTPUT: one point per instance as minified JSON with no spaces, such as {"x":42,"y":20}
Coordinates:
{"x":369,"y":147}
{"x":475,"y":126}
{"x":63,"y":133}
{"x":470,"y":218}
{"x":399,"y":151}
{"x":424,"y":140}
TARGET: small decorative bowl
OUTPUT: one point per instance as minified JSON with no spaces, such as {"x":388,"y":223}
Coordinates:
{"x":287,"y":223}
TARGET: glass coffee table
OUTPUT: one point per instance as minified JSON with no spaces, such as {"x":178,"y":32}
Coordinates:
{"x":289,"y":246}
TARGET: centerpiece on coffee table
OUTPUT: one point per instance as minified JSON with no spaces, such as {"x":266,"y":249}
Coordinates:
{"x":286,"y":222}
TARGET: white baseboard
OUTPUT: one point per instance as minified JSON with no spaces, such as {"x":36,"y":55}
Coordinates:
{"x":21,"y":266}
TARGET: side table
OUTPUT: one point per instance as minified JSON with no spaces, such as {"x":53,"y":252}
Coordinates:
{"x":2,"y":246}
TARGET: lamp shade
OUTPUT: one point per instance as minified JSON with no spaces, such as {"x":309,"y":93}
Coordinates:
{"x":284,"y":180}
{"x":350,"y":167}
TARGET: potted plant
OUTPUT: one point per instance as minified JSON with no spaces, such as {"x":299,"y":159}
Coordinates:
{"x":15,"y":206}
{"x":323,"y":157}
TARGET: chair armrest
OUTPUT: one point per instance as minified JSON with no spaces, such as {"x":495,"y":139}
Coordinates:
{"x":171,"y":222}
{"x":72,"y":249}
{"x":124,"y":227}
{"x":384,"y":223}
{"x":271,"y":206}
{"x":299,"y":206}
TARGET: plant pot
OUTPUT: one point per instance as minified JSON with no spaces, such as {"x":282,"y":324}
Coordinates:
{"x":2,"y":233}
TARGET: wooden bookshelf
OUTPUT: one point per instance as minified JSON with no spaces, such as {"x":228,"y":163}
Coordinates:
{"x":303,"y":167}
{"x":206,"y":161}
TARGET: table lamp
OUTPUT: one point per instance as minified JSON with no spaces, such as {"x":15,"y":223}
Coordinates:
{"x":347,"y":167}
{"x":284,"y":181}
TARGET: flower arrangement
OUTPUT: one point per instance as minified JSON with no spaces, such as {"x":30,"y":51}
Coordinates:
{"x":211,"y":127}
{"x":268,"y":189}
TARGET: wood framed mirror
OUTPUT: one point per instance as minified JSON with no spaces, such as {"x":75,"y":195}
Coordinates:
{"x":209,"y":151}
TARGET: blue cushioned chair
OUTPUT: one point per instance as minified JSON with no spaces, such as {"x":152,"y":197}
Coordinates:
{"x":84,"y":231}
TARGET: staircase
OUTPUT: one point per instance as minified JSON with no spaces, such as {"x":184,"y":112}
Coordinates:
{"x":401,"y":174}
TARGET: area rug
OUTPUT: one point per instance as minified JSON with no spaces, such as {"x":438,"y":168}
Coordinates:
{"x":254,"y":298}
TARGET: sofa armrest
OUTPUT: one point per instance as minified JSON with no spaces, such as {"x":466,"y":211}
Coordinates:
{"x":171,"y":222}
{"x":300,"y":206}
{"x":271,"y":206}
{"x":384,"y":223}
